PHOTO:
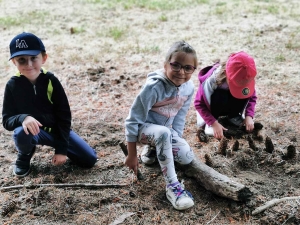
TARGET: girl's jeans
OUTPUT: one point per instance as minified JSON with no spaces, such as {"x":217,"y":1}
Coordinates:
{"x":169,"y":147}
{"x":78,"y":151}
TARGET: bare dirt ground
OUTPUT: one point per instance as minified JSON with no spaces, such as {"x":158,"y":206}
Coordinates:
{"x":101,"y":51}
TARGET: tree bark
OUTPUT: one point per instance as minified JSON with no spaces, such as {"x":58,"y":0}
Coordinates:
{"x":215,"y":182}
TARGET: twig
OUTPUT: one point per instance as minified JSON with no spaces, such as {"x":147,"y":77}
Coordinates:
{"x":272,"y":203}
{"x":31,"y":186}
{"x":213,"y":218}
{"x":125,"y":151}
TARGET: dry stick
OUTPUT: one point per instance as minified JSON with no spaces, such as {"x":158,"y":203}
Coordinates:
{"x":31,"y":186}
{"x":272,"y":203}
{"x":213,"y":218}
{"x":125,"y":151}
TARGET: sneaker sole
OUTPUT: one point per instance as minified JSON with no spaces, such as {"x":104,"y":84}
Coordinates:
{"x":186,"y":206}
{"x":21,"y":175}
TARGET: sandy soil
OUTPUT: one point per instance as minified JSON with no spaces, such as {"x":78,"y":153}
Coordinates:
{"x":102,"y":54}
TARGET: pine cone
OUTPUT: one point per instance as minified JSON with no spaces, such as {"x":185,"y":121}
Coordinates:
{"x":223,"y":146}
{"x":7,"y":208}
{"x":251,"y":143}
{"x":208,"y":160}
{"x":269,"y":145}
{"x":235,"y":146}
{"x":291,"y":152}
{"x":202,"y":137}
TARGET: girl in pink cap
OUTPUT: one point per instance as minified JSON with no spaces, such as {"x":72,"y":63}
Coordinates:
{"x":227,"y":89}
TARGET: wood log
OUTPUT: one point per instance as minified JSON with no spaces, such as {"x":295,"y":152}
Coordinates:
{"x":215,"y":182}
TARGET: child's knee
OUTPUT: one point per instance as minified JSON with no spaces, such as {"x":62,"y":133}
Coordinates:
{"x":164,"y":133}
{"x":20,"y":137}
{"x":186,"y":157}
{"x":88,"y":163}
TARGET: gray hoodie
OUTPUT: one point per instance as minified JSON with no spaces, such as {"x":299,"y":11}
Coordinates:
{"x":159,"y":102}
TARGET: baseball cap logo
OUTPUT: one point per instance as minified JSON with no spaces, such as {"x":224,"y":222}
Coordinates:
{"x":21,"y":44}
{"x":245,"y":91}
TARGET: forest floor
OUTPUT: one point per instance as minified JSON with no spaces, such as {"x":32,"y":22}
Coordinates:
{"x":101,"y":51}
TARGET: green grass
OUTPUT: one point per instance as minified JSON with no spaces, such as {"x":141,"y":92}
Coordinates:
{"x":20,"y":20}
{"x":116,"y":33}
{"x":147,"y":4}
{"x":163,"y":18}
{"x":137,"y":48}
{"x":10,"y":21}
{"x":292,"y":45}
{"x":273,"y":9}
{"x":150,"y":49}
{"x":280,"y":58}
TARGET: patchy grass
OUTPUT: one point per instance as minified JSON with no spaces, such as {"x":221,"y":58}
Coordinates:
{"x":20,"y":20}
{"x":163,"y":18}
{"x":148,"y":4}
{"x":116,"y":32}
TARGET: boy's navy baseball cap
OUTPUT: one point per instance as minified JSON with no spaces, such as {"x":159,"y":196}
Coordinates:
{"x":26,"y":44}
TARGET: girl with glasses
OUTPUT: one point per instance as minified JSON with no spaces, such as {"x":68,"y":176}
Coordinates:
{"x":157,"y":119}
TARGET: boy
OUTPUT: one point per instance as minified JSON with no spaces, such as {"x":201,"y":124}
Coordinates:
{"x":36,"y":108}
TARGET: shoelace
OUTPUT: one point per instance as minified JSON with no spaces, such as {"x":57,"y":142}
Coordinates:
{"x":178,"y":191}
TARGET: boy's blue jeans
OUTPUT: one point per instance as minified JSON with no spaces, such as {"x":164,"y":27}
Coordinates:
{"x":78,"y":151}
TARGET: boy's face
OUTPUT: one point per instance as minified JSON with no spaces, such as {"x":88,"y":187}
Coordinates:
{"x":30,"y":66}
{"x":180,"y":68}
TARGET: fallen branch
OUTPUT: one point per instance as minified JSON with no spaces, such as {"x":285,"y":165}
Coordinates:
{"x":32,"y":186}
{"x":213,"y":218}
{"x":215,"y":182}
{"x":272,"y":203}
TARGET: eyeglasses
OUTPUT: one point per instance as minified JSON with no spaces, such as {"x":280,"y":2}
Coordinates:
{"x":25,"y":60}
{"x":176,"y":67}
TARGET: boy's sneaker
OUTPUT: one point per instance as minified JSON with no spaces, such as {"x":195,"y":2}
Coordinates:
{"x":148,"y":155}
{"x":209,"y":131}
{"x":236,"y":121}
{"x":21,"y":169}
{"x":180,"y":198}
{"x":22,"y":165}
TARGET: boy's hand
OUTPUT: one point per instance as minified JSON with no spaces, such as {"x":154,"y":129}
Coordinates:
{"x":59,"y":159}
{"x":31,"y":125}
{"x":218,"y":130}
{"x":249,"y":123}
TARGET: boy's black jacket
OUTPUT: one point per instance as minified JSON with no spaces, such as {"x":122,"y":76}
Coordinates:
{"x":46,"y":101}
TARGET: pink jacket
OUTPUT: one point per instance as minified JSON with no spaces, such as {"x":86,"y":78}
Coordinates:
{"x":206,"y":89}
